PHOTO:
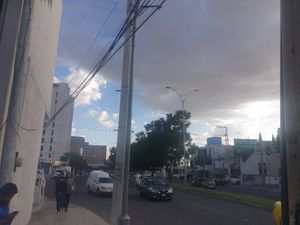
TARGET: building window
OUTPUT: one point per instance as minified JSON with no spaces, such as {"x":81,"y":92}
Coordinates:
{"x":52,"y":132}
{"x":41,"y":155}
{"x":49,"y":156}
{"x":53,"y":124}
{"x":44,"y":124}
{"x":51,"y":140}
{"x":42,"y":148}
{"x":50,"y":148}
{"x":43,"y":140}
{"x":44,"y":131}
{"x":56,"y":94}
{"x":55,"y":102}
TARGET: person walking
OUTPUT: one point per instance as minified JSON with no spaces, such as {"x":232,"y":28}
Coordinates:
{"x":70,"y":188}
{"x":60,"y":192}
{"x":7,"y":192}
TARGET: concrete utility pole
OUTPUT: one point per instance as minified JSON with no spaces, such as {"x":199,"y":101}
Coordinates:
{"x":290,"y":111}
{"x":119,"y":214}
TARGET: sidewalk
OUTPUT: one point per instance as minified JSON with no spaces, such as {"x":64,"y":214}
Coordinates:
{"x":75,"y":216}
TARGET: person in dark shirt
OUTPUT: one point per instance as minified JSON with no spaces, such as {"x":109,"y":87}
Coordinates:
{"x":7,"y":192}
{"x":60,"y":192}
{"x":70,"y":188}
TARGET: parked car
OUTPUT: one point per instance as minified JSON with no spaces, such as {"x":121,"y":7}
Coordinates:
{"x":235,"y":180}
{"x":99,"y":182}
{"x":220,"y":180}
{"x":156,"y":188}
{"x":205,"y":182}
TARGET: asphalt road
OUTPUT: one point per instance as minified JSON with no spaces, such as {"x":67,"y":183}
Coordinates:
{"x":184,"y":209}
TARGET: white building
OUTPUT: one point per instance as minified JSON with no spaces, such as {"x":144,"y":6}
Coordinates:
{"x":56,"y":137}
{"x":251,"y":169}
{"x":29,"y":31}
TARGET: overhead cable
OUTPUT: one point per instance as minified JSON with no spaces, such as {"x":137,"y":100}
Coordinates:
{"x":136,"y":11}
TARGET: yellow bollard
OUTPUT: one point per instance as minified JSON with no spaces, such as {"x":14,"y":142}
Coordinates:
{"x":277,"y":213}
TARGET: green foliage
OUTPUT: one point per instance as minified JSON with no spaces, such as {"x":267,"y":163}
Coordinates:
{"x":161,"y":143}
{"x":110,"y":162}
{"x":75,"y":160}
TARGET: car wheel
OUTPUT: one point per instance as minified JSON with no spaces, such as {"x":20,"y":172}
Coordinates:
{"x":141,"y":194}
{"x":88,"y":189}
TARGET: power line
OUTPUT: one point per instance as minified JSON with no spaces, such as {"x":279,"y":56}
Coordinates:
{"x":98,"y":33}
{"x":136,"y":11}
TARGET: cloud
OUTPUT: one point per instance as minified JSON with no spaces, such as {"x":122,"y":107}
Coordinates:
{"x":92,"y":113}
{"x":109,"y":121}
{"x":229,"y":50}
{"x":73,"y":129}
{"x":200,"y":139}
{"x":56,"y":80}
{"x":92,"y":92}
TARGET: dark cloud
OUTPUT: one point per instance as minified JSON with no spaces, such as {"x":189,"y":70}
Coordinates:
{"x":228,"y":49}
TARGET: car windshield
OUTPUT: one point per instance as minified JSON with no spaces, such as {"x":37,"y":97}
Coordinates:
{"x":157,"y":181}
{"x":105,"y":180}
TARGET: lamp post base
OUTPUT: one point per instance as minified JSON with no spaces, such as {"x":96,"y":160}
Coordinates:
{"x":124,"y":220}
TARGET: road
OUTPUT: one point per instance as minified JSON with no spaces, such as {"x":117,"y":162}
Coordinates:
{"x":184,"y":209}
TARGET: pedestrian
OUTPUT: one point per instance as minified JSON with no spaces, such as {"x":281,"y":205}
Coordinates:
{"x":7,"y":192}
{"x":70,"y":188}
{"x":60,"y":192}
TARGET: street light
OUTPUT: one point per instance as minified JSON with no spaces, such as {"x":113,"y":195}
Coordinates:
{"x":182,"y":98}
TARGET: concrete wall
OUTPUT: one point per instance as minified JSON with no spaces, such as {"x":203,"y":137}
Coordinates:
{"x":35,"y":70}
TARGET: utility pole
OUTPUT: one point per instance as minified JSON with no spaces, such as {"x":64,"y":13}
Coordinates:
{"x":262,"y":164}
{"x":290,"y":111}
{"x":228,"y":156}
{"x":119,"y":214}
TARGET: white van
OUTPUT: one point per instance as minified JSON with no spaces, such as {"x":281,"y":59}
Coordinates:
{"x":99,"y":182}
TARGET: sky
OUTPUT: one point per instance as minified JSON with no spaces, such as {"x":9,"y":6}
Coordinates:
{"x":227,"y":49}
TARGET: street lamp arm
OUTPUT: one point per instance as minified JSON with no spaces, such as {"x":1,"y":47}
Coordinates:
{"x":180,"y":96}
{"x":184,"y":96}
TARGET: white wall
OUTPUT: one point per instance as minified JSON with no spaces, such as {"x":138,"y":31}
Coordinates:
{"x":251,"y":167}
{"x":37,"y":73}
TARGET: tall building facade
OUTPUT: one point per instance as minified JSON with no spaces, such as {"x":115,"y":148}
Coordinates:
{"x":56,"y":135}
{"x":29,"y":32}
{"x":77,"y":144}
{"x":95,"y":155}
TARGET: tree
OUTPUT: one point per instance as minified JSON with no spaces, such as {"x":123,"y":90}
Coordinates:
{"x":76,"y":161}
{"x":161,"y":144}
{"x":110,"y":162}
